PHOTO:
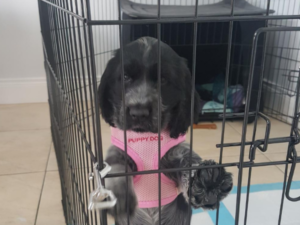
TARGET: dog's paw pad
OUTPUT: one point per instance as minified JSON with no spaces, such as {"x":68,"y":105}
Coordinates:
{"x":210,"y":186}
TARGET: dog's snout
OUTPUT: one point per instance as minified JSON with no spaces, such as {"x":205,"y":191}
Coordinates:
{"x":139,"y":112}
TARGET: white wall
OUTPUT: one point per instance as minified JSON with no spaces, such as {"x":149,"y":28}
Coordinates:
{"x":283,"y":55}
{"x":22,"y":75}
{"x":177,"y":2}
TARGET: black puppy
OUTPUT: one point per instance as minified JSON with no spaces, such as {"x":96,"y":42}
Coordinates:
{"x":209,"y":186}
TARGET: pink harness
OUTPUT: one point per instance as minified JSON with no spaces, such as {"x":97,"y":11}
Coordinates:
{"x":143,"y":149}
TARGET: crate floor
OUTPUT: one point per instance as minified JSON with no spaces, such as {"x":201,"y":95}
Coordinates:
{"x":264,"y":208}
{"x":264,"y":205}
{"x":30,"y":184}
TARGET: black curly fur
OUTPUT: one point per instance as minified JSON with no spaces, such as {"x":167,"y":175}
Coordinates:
{"x":209,"y":186}
{"x":142,"y":68}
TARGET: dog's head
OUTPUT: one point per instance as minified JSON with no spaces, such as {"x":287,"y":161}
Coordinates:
{"x":141,"y":93}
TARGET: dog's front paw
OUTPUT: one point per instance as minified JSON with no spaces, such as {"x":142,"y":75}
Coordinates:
{"x":118,"y":186}
{"x":210,"y":186}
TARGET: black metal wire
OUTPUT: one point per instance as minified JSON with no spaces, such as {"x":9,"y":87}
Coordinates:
{"x":192,"y":20}
{"x":224,"y":165}
{"x":66,"y":138}
{"x":195,"y":34}
{"x":159,"y":105}
{"x":95,"y":103}
{"x":75,"y":101}
{"x":244,"y":130}
{"x":65,"y":10}
{"x":124,"y":106}
{"x":256,"y":117}
{"x":230,"y":32}
{"x":80,"y":109}
{"x":71,"y":68}
{"x":288,"y":155}
{"x":69,"y":139}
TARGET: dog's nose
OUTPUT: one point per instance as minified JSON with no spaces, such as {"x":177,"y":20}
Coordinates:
{"x":139,"y":112}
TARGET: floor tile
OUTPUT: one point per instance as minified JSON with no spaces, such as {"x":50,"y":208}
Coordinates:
{"x":282,"y":157}
{"x":205,"y":141}
{"x":24,"y":117}
{"x":278,"y":128}
{"x":260,"y":175}
{"x":19,"y":196}
{"x":24,"y":151}
{"x":2,"y":106}
{"x":52,"y":163}
{"x":110,"y":220}
{"x":50,"y":210}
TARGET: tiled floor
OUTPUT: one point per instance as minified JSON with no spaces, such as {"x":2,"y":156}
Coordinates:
{"x":29,"y":182}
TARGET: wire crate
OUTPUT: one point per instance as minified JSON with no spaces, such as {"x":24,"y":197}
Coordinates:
{"x":250,"y":43}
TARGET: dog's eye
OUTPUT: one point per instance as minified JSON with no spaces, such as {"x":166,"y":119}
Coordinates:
{"x":126,"y":77}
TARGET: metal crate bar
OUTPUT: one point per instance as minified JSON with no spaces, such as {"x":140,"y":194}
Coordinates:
{"x":192,"y":20}
{"x":195,"y":35}
{"x":70,"y":64}
{"x":230,"y":35}
{"x":244,"y":130}
{"x":65,"y":10}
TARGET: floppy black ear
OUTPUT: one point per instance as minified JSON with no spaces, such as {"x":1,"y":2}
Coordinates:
{"x":104,"y":90}
{"x":181,"y":115}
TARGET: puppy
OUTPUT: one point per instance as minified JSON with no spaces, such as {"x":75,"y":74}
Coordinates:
{"x":209,"y":186}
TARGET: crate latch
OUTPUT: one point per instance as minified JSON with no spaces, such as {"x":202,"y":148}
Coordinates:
{"x":101,"y":198}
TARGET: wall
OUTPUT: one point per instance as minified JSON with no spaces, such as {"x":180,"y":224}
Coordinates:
{"x":283,"y":56}
{"x":22,"y":75}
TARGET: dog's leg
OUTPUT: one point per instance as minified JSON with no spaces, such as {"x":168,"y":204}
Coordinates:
{"x":209,"y":186}
{"x":116,"y":159}
{"x":142,"y":217}
{"x":175,"y":213}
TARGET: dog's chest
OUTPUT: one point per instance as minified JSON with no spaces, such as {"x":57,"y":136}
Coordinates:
{"x":146,"y":150}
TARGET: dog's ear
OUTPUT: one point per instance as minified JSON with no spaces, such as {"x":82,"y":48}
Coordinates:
{"x":181,"y":116}
{"x":104,"y":94}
